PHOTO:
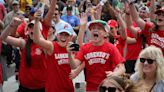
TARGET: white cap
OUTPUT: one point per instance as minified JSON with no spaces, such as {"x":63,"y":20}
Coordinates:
{"x":40,"y":24}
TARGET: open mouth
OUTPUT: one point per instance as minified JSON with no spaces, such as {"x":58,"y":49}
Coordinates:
{"x":63,"y":40}
{"x":95,"y":35}
{"x":160,"y":20}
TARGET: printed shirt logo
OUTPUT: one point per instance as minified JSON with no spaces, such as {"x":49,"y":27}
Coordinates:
{"x":97,"y":57}
{"x":62,"y":58}
{"x":65,"y":26}
{"x":38,"y":51}
{"x":157,"y":40}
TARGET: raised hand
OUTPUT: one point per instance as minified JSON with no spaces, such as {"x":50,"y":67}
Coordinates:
{"x":16,"y":22}
{"x":38,"y":15}
{"x":83,"y":19}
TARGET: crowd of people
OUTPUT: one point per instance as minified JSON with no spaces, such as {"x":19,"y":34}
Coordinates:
{"x":118,"y":43}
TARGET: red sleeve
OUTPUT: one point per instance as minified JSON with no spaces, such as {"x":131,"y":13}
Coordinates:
{"x":80,"y":54}
{"x":45,"y":30}
{"x":3,"y":9}
{"x":20,"y":29}
{"x":147,"y":28}
{"x":116,"y":58}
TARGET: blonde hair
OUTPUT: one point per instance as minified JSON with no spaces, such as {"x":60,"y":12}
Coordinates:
{"x":156,"y":54}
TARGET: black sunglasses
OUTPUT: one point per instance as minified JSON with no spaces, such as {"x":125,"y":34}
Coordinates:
{"x":149,"y":61}
{"x":109,"y":89}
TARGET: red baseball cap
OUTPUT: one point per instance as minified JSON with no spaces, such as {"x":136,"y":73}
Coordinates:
{"x":160,"y":10}
{"x":112,"y":23}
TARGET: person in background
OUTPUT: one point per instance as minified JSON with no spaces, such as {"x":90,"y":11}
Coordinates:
{"x":15,"y":12}
{"x":71,"y":19}
{"x":149,"y":70}
{"x":24,"y":4}
{"x":75,"y":10}
{"x":152,"y":32}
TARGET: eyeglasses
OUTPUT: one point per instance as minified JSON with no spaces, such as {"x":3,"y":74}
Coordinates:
{"x":109,"y":89}
{"x":149,"y":61}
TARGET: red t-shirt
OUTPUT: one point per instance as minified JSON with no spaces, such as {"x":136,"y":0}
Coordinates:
{"x":120,"y":44}
{"x":21,"y":30}
{"x":58,"y":71}
{"x":134,"y":49}
{"x":33,"y":77}
{"x":98,"y":59}
{"x":154,"y":37}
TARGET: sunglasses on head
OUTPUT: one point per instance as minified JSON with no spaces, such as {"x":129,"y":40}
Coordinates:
{"x":109,"y":89}
{"x":149,"y":61}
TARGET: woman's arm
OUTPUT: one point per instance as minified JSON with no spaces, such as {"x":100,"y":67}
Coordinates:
{"x":38,"y":39}
{"x":18,"y":42}
{"x":75,"y":73}
{"x":152,"y":9}
{"x":135,"y":16}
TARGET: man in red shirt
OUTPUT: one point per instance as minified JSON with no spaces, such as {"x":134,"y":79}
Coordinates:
{"x":99,"y":56}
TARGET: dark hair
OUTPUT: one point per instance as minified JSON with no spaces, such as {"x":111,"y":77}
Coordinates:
{"x":69,"y":8}
{"x":28,"y":51}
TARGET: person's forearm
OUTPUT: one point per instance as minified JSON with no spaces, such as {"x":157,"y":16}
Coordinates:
{"x":72,"y":61}
{"x":81,"y":35}
{"x":152,"y":9}
{"x":37,"y":32}
{"x":130,"y":26}
{"x":134,"y":12}
{"x":122,"y":24}
{"x":50,"y":13}
{"x":10,"y":28}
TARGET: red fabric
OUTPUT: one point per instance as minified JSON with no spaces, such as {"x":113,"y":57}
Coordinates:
{"x":154,"y":38}
{"x":58,"y":71}
{"x":120,"y":44}
{"x":33,"y":77}
{"x":98,"y":59}
{"x":21,"y":29}
{"x":2,"y":11}
{"x":133,"y":50}
{"x":45,"y":30}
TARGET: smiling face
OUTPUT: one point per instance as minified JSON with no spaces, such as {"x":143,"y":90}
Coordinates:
{"x":97,"y":33}
{"x":63,"y":39}
{"x":29,"y":31}
{"x":160,"y":19}
{"x":149,"y":66}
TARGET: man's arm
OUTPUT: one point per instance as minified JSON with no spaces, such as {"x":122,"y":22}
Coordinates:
{"x":49,"y":15}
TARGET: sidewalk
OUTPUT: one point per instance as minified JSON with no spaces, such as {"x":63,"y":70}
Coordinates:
{"x":12,"y":85}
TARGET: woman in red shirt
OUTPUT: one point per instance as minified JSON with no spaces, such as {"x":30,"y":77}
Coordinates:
{"x":32,"y":67}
